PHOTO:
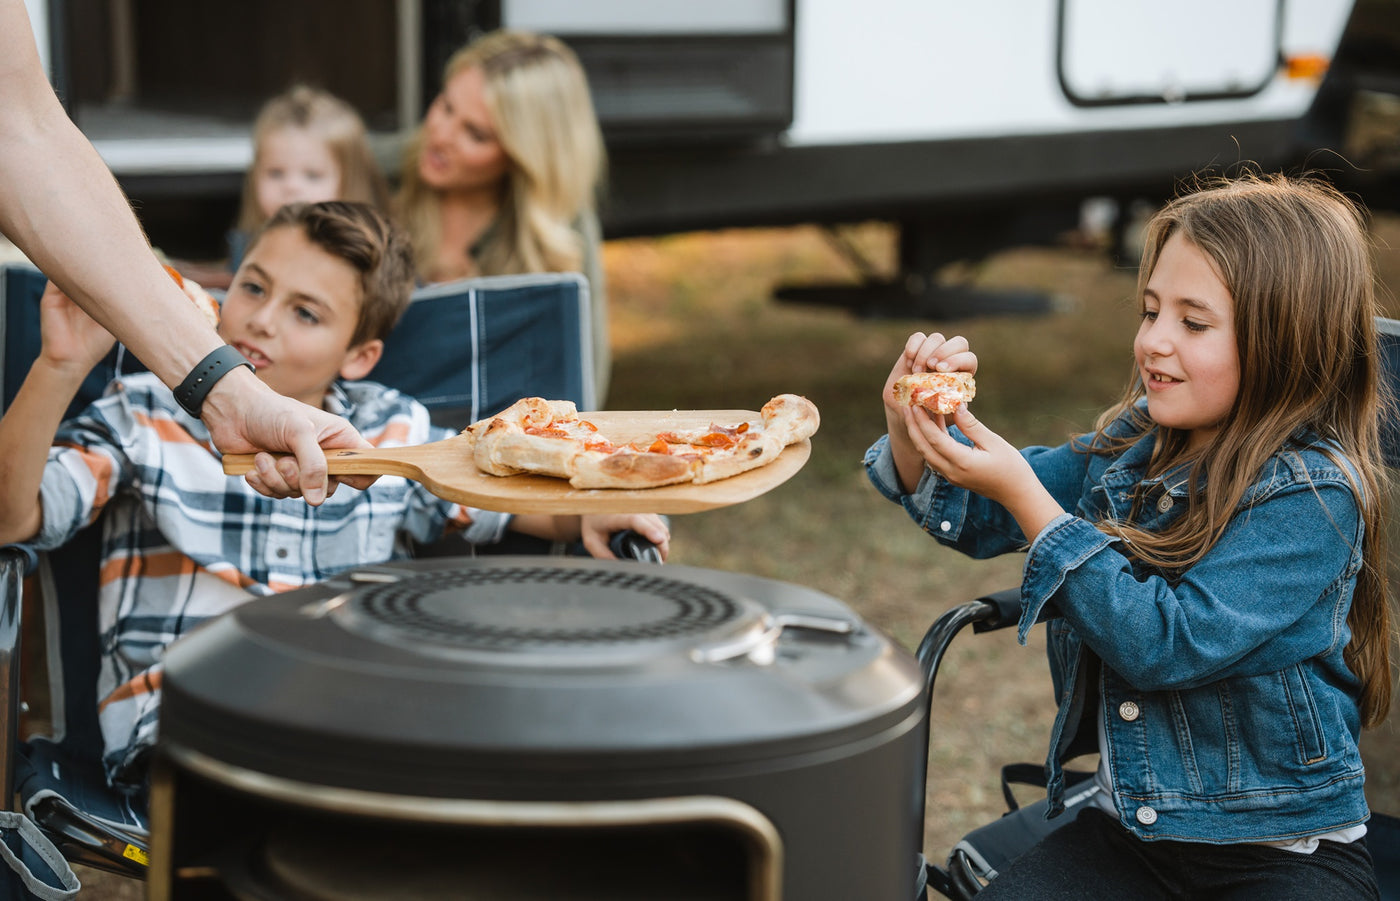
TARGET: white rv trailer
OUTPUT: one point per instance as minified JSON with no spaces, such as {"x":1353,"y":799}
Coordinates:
{"x":973,"y":125}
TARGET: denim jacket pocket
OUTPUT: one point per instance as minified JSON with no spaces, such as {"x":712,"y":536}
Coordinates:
{"x":1229,"y":736}
{"x":1312,"y":739}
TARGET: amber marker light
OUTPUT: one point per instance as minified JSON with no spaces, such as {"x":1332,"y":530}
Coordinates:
{"x":1309,"y":66}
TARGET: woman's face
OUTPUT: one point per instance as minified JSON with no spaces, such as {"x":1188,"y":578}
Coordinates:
{"x":460,"y":149}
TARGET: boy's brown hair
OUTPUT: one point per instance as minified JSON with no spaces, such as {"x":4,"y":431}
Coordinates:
{"x":363,"y":237}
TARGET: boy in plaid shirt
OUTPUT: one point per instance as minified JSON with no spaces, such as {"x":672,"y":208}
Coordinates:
{"x":309,"y":307}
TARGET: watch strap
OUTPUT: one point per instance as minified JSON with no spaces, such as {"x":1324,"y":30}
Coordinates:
{"x":195,"y":388}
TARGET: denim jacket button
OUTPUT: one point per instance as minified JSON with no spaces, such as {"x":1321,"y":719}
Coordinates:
{"x":1165,"y":503}
{"x":1129,"y":711}
{"x":944,"y":526}
{"x":1146,"y":815}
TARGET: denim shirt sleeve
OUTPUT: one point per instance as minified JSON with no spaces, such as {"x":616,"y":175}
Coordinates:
{"x":966,"y":521}
{"x":1065,"y":544}
{"x":942,"y":509}
{"x":1272,"y":592}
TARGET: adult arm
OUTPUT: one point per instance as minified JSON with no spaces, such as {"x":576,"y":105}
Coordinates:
{"x":60,"y":205}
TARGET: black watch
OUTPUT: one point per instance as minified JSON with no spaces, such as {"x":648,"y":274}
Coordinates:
{"x":197,"y":385}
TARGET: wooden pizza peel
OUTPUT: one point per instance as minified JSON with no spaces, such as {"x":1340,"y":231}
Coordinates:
{"x":446,"y":468}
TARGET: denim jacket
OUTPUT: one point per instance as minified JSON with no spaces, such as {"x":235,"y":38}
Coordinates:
{"x":1229,"y":713}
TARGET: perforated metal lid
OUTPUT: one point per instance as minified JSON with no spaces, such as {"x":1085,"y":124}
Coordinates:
{"x":460,"y":671}
{"x":531,"y":616}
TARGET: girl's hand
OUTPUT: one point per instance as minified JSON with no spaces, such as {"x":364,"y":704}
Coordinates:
{"x":992,"y":467}
{"x":596,"y":529}
{"x":922,"y":353}
{"x":71,"y":338}
{"x":925,"y":353}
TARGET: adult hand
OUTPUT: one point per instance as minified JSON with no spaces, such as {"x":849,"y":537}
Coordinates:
{"x":245,"y":416}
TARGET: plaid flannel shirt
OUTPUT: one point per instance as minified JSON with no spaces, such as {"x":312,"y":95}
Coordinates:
{"x":182,"y":542}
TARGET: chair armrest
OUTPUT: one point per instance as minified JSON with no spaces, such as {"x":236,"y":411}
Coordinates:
{"x":1006,"y":606}
{"x":16,"y":562}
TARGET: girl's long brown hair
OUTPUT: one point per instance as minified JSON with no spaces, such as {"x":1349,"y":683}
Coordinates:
{"x":1295,"y":257}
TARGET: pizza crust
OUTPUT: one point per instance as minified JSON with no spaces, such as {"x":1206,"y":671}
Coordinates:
{"x":790,"y":418}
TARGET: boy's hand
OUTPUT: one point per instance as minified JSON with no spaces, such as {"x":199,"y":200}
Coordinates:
{"x":596,"y":529}
{"x":72,"y":340}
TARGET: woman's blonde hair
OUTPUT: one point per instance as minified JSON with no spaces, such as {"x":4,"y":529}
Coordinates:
{"x":1295,"y":257}
{"x":537,"y":95}
{"x":333,"y":121}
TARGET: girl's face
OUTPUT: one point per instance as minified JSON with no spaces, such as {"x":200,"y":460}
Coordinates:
{"x":460,"y":149}
{"x":294,"y":166}
{"x":292,"y":310}
{"x":1185,"y":348}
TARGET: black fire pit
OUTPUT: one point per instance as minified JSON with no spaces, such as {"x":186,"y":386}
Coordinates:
{"x":539,"y":728}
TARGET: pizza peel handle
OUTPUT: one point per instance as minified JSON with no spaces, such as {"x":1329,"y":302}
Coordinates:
{"x":440,"y":462}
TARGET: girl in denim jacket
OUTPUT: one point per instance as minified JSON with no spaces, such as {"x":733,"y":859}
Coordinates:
{"x":1209,"y":559}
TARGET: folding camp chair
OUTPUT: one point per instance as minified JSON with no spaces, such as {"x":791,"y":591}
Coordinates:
{"x":465,"y":348}
{"x":981,"y":854}
{"x":473,"y":347}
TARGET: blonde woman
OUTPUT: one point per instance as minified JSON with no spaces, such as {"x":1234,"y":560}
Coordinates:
{"x":503,"y":173}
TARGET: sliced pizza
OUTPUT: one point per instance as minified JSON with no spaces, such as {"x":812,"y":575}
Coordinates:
{"x":549,"y":438}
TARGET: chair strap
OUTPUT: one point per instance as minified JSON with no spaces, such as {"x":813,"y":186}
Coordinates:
{"x":1020,"y":774}
{"x":42,"y":872}
{"x":1032,"y":774}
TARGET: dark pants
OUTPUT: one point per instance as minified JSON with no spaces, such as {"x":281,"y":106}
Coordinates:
{"x":1094,"y":857}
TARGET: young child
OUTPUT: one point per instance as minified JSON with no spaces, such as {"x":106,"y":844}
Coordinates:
{"x":308,"y":146}
{"x":320,"y":287}
{"x":1210,"y":559}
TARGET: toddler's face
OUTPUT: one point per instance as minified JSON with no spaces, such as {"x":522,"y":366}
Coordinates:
{"x":294,"y":166}
{"x":292,"y":310}
{"x":1185,"y":348}
{"x":460,"y":149}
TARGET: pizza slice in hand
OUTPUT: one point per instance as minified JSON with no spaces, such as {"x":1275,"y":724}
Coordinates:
{"x":938,"y":392}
